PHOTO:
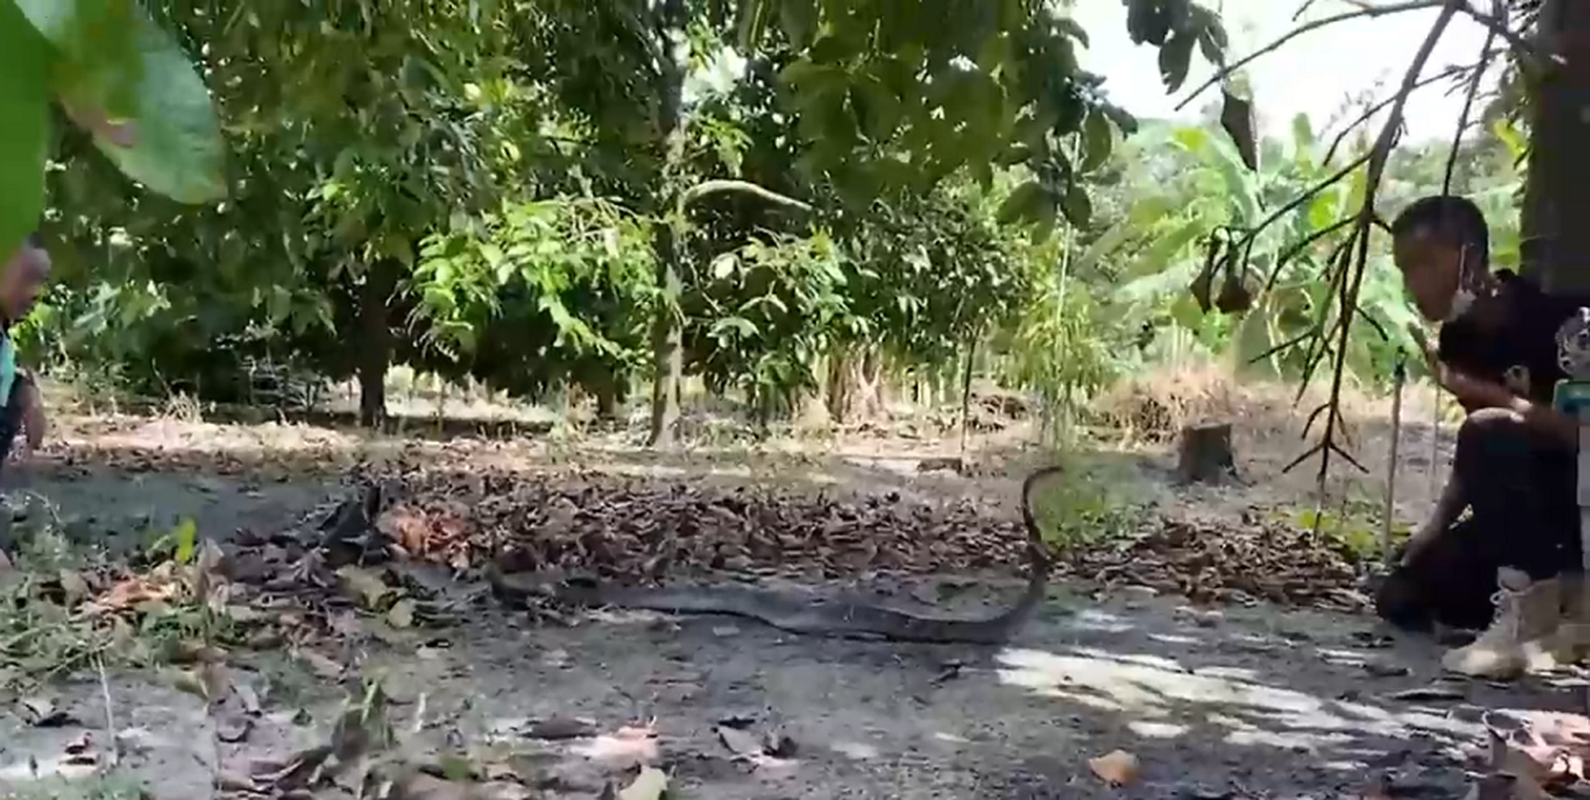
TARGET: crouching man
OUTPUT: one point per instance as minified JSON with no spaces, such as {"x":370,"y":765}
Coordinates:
{"x":1513,"y":562}
{"x":21,"y":282}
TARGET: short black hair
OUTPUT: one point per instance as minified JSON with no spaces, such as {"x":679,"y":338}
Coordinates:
{"x":36,"y":240}
{"x":1456,"y":218}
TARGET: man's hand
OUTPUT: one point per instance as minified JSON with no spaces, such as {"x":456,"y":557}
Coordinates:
{"x":1439,"y":371}
{"x":34,"y":422}
{"x":1420,"y":539}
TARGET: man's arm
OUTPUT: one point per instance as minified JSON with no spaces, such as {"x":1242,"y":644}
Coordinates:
{"x":1477,"y":393}
{"x":1447,"y":509}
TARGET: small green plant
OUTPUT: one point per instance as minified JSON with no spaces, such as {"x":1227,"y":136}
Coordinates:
{"x":102,"y":787}
{"x":49,"y":626}
{"x":1087,"y":506}
{"x":177,"y":544}
{"x":1355,"y":526}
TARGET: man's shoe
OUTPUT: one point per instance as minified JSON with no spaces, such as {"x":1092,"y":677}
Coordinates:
{"x":1526,"y":620}
{"x":1571,"y":644}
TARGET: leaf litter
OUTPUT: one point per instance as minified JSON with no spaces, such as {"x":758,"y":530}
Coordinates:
{"x":645,"y":530}
{"x":292,"y":587}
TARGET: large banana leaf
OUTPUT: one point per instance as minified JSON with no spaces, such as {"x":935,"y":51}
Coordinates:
{"x":24,"y":105}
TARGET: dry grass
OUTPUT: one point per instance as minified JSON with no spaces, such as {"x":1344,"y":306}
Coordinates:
{"x":1142,"y":413}
{"x":1268,"y":430}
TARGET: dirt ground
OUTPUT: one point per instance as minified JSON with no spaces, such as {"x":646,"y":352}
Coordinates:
{"x":1250,"y":700}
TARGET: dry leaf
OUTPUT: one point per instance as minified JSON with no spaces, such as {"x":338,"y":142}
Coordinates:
{"x":233,"y":728}
{"x":1118,"y":768}
{"x":401,"y":614}
{"x":75,"y":587}
{"x":627,"y":746}
{"x":557,"y":728}
{"x":742,"y":742}
{"x":187,"y":681}
{"x":214,"y":679}
{"x":364,"y":586}
{"x":324,"y":666}
{"x":41,"y":712}
{"x":648,"y":785}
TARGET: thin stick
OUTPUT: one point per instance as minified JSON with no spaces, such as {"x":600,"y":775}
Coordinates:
{"x":1468,"y":108}
{"x":1364,"y":12}
{"x":1399,"y":375}
{"x":110,"y":712}
{"x":1381,"y":105}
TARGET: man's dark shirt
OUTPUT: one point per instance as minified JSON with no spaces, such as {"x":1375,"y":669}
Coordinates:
{"x":1518,"y":327}
{"x":1484,"y":344}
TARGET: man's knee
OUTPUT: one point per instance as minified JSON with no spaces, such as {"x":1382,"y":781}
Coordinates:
{"x":1492,"y":434}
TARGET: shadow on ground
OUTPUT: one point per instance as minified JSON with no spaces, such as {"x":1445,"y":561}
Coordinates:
{"x":1251,"y":703}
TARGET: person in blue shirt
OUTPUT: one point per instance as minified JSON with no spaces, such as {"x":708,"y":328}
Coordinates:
{"x":1514,"y":558}
{"x":21,"y":283}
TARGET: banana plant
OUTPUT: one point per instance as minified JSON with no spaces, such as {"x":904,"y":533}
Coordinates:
{"x":1206,"y":190}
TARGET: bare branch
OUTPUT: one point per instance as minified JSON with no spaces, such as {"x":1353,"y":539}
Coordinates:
{"x":1363,"y":12}
{"x":704,"y":188}
{"x":1369,"y":112}
{"x":1468,"y":108}
{"x":1359,"y":265}
{"x":1297,"y":248}
{"x":1496,"y":25}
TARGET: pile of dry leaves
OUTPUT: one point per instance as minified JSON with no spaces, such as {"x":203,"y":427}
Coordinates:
{"x":645,"y":530}
{"x":1207,"y":562}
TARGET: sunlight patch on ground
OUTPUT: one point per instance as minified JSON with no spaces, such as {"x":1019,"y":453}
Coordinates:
{"x":1161,"y":692}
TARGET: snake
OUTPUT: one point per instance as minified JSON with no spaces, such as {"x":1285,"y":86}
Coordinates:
{"x":814,"y":614}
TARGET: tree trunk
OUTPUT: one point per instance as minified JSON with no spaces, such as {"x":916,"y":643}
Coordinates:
{"x":375,"y":345}
{"x":1557,"y":196}
{"x":609,"y":394}
{"x":838,"y":384}
{"x":872,"y":393}
{"x":667,"y":341}
{"x":667,"y":337}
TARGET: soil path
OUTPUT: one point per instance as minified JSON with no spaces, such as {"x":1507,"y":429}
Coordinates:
{"x":1241,"y":702}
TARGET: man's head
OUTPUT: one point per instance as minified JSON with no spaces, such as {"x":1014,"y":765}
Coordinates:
{"x":23,"y":278}
{"x":1442,"y":247}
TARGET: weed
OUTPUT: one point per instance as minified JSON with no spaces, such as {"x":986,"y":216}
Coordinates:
{"x":1088,"y":505}
{"x":49,"y":627}
{"x":100,"y":787}
{"x":1355,"y":526}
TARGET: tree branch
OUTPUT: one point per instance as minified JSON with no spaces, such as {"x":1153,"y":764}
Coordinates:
{"x":1363,"y":12}
{"x":1468,"y":108}
{"x":1368,"y":113}
{"x":1496,"y":25}
{"x":1366,"y":218}
{"x":705,"y":188}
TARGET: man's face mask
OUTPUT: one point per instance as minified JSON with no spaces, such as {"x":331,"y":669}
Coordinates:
{"x":1463,"y":298}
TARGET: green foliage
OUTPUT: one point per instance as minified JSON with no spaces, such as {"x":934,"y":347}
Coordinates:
{"x":526,"y":194}
{"x":119,"y":76}
{"x":1093,"y":504}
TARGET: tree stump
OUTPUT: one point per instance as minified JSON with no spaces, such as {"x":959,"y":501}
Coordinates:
{"x":1205,"y":454}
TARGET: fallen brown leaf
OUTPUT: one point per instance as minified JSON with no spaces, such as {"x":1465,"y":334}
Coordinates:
{"x":742,"y":742}
{"x":1116,"y":768}
{"x":324,"y":666}
{"x":648,"y":785}
{"x":364,"y":586}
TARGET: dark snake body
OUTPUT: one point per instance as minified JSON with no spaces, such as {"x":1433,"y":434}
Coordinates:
{"x":818,"y":615}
